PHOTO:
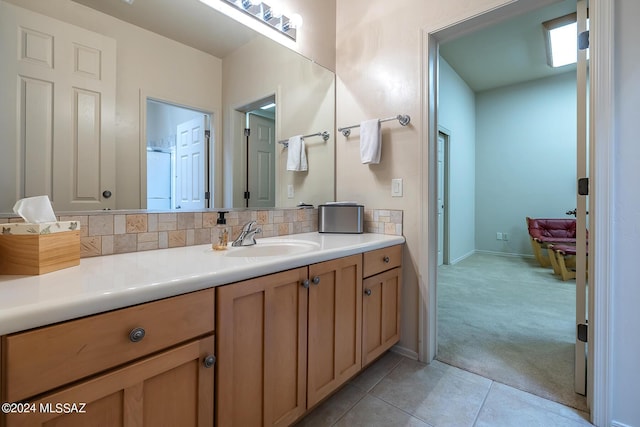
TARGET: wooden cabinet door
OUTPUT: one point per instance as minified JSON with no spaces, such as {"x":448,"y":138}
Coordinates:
{"x":170,"y":389}
{"x":261,"y":329}
{"x":335,"y":327}
{"x":380,"y":314}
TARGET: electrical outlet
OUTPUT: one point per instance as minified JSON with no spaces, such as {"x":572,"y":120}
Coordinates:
{"x":498,"y":236}
{"x":290,"y":192}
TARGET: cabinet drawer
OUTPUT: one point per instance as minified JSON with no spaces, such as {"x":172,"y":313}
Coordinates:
{"x":381,"y":260}
{"x":48,"y":357}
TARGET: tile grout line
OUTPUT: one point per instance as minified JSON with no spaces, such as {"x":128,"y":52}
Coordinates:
{"x":368,"y":393}
{"x":486,"y":396}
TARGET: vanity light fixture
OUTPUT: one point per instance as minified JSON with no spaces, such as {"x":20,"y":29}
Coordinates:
{"x":269,"y":14}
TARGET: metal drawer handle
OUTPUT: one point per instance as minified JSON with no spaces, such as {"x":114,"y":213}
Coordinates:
{"x":305,"y":283}
{"x":367,"y":292}
{"x":386,"y":260}
{"x":136,"y":334}
{"x":209,"y":361}
{"x":316,"y":280}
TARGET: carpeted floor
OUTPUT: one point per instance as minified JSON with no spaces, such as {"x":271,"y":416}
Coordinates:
{"x":510,"y":320}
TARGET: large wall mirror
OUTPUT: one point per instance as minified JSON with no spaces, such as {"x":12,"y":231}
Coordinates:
{"x":112,"y":105}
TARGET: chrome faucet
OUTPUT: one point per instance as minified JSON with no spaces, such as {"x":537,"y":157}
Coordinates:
{"x":247,"y":236}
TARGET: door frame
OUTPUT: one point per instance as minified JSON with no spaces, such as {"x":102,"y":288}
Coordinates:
{"x":213,"y":147}
{"x":600,"y":201}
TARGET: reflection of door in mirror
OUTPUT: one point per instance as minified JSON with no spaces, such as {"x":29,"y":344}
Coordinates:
{"x":261,"y":161}
{"x":58,"y":90}
{"x":177,"y":157}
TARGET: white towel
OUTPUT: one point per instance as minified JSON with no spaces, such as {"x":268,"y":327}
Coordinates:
{"x":296,"y":157}
{"x":370,"y":141}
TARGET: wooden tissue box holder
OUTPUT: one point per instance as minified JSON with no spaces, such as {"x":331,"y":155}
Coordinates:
{"x":34,"y":254}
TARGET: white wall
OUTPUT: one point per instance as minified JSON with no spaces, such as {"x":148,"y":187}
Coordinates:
{"x":457,"y":113}
{"x":305,"y":104}
{"x":626,"y":216}
{"x":525,"y":159}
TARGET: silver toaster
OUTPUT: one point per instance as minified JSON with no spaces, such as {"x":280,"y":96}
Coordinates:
{"x":341,"y":218}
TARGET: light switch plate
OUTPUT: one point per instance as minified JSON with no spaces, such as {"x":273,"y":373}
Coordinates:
{"x":396,"y":187}
{"x":290,"y":191}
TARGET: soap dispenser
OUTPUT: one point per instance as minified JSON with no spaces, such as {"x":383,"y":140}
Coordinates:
{"x":223,"y":232}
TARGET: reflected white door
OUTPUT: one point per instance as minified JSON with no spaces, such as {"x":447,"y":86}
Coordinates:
{"x":262,"y":162}
{"x":190,"y":164}
{"x":58,"y":107}
{"x":581,"y":349}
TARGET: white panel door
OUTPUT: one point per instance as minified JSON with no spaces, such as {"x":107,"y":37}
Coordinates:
{"x":190,"y":164}
{"x":58,"y":112}
{"x":262,"y":162}
{"x":581,"y":349}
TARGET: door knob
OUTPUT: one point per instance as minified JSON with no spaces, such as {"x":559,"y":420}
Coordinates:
{"x":305,"y":283}
{"x":316,"y":280}
{"x":106,"y":194}
{"x":367,"y":292}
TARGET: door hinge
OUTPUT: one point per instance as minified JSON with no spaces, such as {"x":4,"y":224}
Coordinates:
{"x":247,"y":195}
{"x":583,"y":40}
{"x":247,"y":132}
{"x":583,"y":332}
{"x":583,"y":186}
{"x":207,"y":133}
{"x":207,"y":195}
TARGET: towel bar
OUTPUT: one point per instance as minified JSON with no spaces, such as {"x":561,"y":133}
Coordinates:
{"x":404,"y":120}
{"x":325,"y":136}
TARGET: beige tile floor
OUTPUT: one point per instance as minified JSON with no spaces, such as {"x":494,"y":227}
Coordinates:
{"x":397,"y":391}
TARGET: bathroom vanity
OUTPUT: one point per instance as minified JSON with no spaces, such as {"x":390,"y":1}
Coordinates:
{"x":255,"y":338}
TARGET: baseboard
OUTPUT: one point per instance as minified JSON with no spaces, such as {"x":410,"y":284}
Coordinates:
{"x":465,"y":256}
{"x":504,"y":254}
{"x":617,"y":424}
{"x":403,"y":351}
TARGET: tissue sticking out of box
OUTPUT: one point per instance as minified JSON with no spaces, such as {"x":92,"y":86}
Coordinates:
{"x":35,"y":210}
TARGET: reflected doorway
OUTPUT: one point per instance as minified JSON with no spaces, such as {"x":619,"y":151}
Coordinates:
{"x":260,"y":153}
{"x":177,"y":151}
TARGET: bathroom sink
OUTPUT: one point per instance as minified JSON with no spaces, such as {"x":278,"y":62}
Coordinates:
{"x":273,"y":248}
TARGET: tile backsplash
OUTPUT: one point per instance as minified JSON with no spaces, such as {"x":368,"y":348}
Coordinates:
{"x":106,"y":233}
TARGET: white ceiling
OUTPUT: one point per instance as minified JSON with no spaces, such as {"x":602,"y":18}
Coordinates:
{"x":189,"y":22}
{"x":507,"y":53}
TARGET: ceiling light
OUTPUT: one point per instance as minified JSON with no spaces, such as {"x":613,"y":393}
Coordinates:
{"x":561,"y":36}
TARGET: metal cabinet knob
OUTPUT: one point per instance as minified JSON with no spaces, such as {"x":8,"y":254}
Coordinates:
{"x":305,"y":283}
{"x":316,"y":280}
{"x":106,"y":194}
{"x":136,"y":334}
{"x":386,"y":260}
{"x":367,"y":292}
{"x":209,"y":361}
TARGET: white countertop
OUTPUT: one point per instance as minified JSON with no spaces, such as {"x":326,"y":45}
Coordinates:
{"x":108,"y":282}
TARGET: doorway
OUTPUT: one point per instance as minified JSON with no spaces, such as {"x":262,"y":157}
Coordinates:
{"x":428,"y":321}
{"x":178,"y":147}
{"x":259,"y":148}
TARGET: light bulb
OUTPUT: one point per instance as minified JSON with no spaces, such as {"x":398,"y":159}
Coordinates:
{"x":276,"y":11}
{"x":295,"y":21}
